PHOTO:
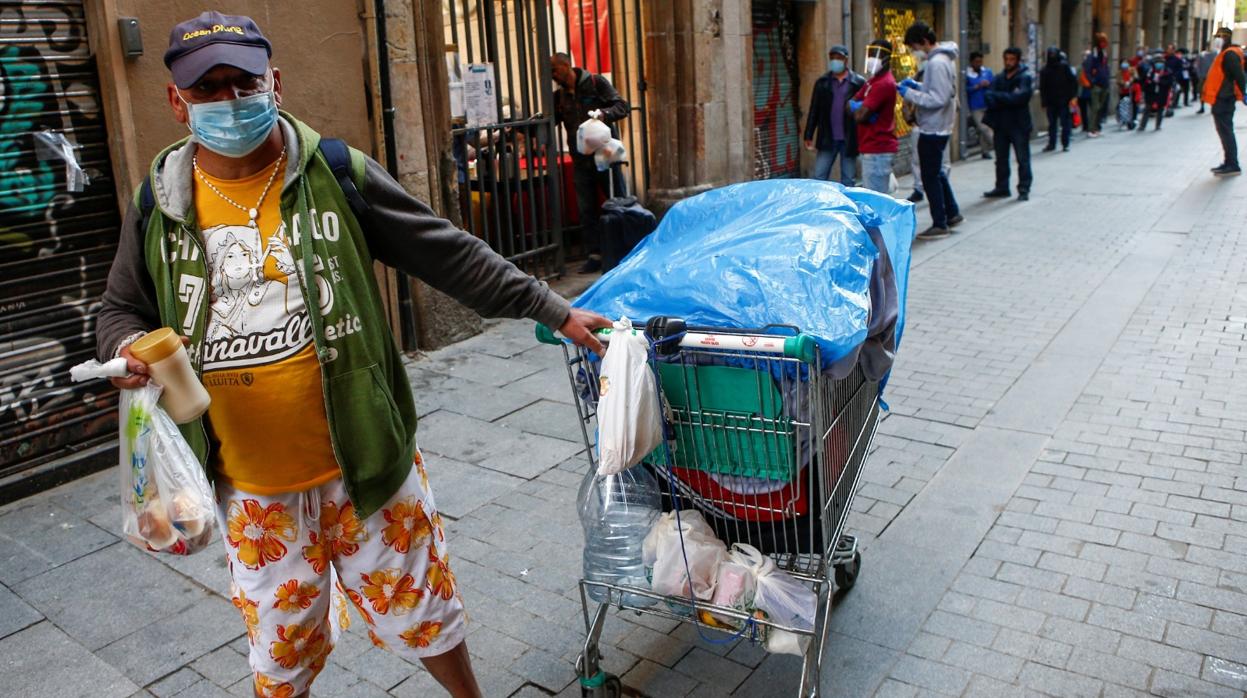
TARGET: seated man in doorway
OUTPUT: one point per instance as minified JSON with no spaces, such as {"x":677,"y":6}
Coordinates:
{"x":579,"y":93}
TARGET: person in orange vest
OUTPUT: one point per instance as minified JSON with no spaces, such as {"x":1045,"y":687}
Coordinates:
{"x":1223,"y":89}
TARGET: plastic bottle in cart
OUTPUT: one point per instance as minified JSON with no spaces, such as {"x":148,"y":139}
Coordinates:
{"x":617,"y":512}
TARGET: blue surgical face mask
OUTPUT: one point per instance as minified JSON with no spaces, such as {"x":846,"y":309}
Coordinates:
{"x":835,"y":65}
{"x":233,"y":127}
{"x":1159,"y":66}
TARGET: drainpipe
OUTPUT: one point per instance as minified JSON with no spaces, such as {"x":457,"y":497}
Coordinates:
{"x":846,"y":26}
{"x":406,"y":318}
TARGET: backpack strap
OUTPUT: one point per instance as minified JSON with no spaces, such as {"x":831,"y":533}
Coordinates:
{"x":147,"y":202}
{"x":337,"y":155}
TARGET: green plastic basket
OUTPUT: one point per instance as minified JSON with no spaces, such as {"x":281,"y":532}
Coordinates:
{"x":727,"y":420}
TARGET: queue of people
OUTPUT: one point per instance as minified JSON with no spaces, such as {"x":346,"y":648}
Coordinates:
{"x":852,"y":116}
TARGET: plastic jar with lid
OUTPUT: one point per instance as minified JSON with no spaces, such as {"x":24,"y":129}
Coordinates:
{"x":184,"y":397}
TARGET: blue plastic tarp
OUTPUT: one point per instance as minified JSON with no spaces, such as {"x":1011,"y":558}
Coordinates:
{"x":793,"y":252}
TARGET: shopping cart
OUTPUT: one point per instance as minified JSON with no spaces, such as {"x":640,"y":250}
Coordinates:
{"x":753,"y":404}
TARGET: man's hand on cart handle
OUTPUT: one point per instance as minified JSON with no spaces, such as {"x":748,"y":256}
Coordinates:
{"x":579,"y":327}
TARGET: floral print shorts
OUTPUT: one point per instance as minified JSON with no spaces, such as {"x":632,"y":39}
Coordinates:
{"x":297,"y":559}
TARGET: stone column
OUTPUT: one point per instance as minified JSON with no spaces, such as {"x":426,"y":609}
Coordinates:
{"x":1169,"y":20}
{"x":1152,"y":18}
{"x":700,"y":129}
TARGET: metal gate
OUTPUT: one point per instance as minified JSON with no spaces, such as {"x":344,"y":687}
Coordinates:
{"x":516,"y":189}
{"x":56,"y":244}
{"x":777,"y":135}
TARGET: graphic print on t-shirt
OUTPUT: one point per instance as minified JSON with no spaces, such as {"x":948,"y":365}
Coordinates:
{"x":256,"y":313}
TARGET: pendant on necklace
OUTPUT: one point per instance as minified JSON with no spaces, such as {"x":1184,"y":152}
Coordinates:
{"x":252,"y":213}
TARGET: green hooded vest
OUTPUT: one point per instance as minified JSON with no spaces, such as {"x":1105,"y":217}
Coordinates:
{"x":368,"y":400}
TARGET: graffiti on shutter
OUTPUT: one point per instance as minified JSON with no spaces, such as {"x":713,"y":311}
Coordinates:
{"x":56,"y":245}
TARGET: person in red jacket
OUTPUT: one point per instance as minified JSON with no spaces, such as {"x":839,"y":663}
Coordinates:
{"x":874,"y":109}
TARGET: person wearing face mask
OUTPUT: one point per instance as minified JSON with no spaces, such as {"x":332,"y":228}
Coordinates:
{"x":1224,"y":88}
{"x":1202,"y":66}
{"x":1157,"y":91}
{"x":830,"y":119}
{"x":1174,"y":65}
{"x":1057,"y":88}
{"x":874,"y":113}
{"x":1095,"y":70}
{"x":978,"y":80}
{"x":936,"y":101}
{"x":255,"y":238}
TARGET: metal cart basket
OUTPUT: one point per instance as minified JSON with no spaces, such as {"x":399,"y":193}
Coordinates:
{"x":747,"y":411}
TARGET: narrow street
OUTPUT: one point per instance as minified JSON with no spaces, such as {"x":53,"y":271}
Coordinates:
{"x":1056,"y":504}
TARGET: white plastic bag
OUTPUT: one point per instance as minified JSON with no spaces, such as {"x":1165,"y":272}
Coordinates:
{"x":591,"y":135}
{"x":609,"y":154}
{"x":662,"y":553}
{"x":629,"y":425}
{"x":735,"y":587}
{"x":784,"y":599}
{"x":167,"y":504}
{"x":893,"y":185}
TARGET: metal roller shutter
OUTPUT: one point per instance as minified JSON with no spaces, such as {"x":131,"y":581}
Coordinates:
{"x":776,"y":128}
{"x":56,"y":245}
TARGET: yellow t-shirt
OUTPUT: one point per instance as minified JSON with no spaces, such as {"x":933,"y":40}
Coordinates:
{"x":267,"y":421}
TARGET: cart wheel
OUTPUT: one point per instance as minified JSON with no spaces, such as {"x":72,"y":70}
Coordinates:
{"x":846,"y":573}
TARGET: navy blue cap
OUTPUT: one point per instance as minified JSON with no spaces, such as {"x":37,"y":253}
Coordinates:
{"x":211,"y":39}
{"x":840,"y":49}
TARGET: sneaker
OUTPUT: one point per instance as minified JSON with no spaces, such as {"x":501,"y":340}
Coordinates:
{"x":1024,"y":196}
{"x":1065,"y":149}
{"x":956,"y":220}
{"x":987,"y":156}
{"x":1093,"y":134}
{"x":1218,"y":167}
{"x":934,"y":233}
{"x":592,"y":265}
{"x":997,"y":193}
{"x":1049,"y":149}
{"x":915,"y":197}
{"x":1228,"y":171}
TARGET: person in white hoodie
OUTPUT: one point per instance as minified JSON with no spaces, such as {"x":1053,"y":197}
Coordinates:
{"x":936,"y":101}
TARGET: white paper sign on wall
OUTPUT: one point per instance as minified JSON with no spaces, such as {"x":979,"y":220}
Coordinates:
{"x":480,"y":95}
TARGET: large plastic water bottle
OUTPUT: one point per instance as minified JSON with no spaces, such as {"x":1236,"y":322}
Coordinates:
{"x":617,"y":512}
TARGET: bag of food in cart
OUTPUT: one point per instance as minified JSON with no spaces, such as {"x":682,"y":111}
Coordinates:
{"x":784,"y":599}
{"x":629,"y":424}
{"x":735,"y":587}
{"x":683,"y":570}
{"x":592,"y":134}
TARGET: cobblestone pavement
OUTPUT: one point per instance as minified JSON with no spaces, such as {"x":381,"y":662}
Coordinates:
{"x":1057,"y":503}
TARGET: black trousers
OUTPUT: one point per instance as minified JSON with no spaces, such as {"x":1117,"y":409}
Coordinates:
{"x":935,"y":184}
{"x":1223,"y":117}
{"x":589,"y":182}
{"x":1159,"y":111}
{"x":1020,"y":141}
{"x":1059,"y":116}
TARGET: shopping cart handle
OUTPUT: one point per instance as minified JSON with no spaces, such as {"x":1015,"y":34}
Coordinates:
{"x":802,"y":347}
{"x":545,"y":335}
